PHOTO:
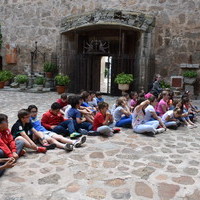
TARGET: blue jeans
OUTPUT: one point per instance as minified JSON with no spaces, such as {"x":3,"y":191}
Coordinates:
{"x":124,"y":121}
{"x":149,"y":126}
{"x":84,"y":125}
{"x":170,"y":123}
{"x":64,"y":128}
{"x":19,"y":146}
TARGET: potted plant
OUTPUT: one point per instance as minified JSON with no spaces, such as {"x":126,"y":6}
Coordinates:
{"x":165,"y":85}
{"x":124,"y":80}
{"x":39,"y":81}
{"x":49,"y":68}
{"x":61,"y":81}
{"x":5,"y":75}
{"x":22,"y":80}
{"x":9,"y":75}
{"x":3,"y":78}
{"x":190,"y":76}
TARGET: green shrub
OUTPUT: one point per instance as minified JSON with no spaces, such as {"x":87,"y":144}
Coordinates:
{"x":21,"y":79}
{"x":62,"y":80}
{"x":164,"y":84}
{"x":190,"y":74}
{"x":123,"y":78}
{"x":6,"y":75}
{"x":49,"y":67}
{"x":39,"y":80}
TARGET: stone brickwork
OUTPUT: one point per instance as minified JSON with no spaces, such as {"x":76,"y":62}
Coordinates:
{"x":175,"y":37}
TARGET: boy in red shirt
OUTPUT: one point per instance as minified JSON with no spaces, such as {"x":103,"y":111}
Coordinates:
{"x":63,"y":101}
{"x":9,"y":149}
{"x":103,"y":121}
{"x":54,"y":121}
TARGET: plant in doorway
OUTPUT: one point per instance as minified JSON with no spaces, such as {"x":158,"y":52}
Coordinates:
{"x":62,"y":82}
{"x":5,"y":76}
{"x":190,"y":76}
{"x":124,"y":80}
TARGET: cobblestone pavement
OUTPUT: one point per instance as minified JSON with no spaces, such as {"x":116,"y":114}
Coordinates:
{"x":126,"y":166}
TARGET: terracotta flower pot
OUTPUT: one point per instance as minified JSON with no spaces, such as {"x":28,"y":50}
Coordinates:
{"x":2,"y":83}
{"x":60,"y":89}
{"x":49,"y":74}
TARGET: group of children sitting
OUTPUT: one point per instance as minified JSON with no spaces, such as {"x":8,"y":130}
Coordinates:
{"x":88,"y":114}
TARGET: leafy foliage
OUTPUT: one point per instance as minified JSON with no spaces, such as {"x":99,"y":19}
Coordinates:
{"x":6,"y":75}
{"x":123,"y":78}
{"x":164,"y":84}
{"x":39,"y":80}
{"x":49,"y":67}
{"x":190,"y":74}
{"x":21,"y":79}
{"x":62,"y":79}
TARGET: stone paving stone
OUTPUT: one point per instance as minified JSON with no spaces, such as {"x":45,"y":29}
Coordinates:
{"x":125,"y":166}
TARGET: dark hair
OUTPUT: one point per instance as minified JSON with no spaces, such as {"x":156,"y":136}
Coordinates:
{"x":22,"y":113}
{"x":92,"y":92}
{"x":102,"y":105}
{"x":85,"y":95}
{"x":31,"y":107}
{"x":132,"y":93}
{"x":74,"y":101}
{"x":98,"y":93}
{"x":185,"y":100}
{"x":55,"y":106}
{"x":152,"y":99}
{"x":63,"y":96}
{"x":140,"y":100}
{"x":3,"y":117}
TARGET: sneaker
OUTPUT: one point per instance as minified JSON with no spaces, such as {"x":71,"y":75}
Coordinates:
{"x":80,"y":141}
{"x":195,"y":126}
{"x":190,"y":126}
{"x":41,"y":150}
{"x":49,"y":146}
{"x":160,"y":130}
{"x":75,"y":135}
{"x":23,"y":152}
{"x":116,"y":130}
{"x":68,"y":147}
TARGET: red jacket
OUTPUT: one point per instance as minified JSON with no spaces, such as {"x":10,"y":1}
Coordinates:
{"x":49,"y":119}
{"x":7,"y":143}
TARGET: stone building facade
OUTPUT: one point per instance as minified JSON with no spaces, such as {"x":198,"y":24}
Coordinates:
{"x":173,"y":38}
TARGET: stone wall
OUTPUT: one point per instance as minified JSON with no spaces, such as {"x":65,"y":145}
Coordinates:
{"x":176,"y":35}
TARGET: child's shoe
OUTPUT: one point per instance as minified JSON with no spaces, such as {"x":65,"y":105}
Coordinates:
{"x":41,"y":150}
{"x":23,"y":152}
{"x":68,"y":147}
{"x":49,"y":146}
{"x":160,"y":130}
{"x":116,"y":130}
{"x":79,"y":142}
{"x":83,"y":131}
{"x":190,"y":126}
{"x":75,"y":135}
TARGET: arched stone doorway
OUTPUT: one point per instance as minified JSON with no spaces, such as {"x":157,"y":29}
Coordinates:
{"x":125,"y":37}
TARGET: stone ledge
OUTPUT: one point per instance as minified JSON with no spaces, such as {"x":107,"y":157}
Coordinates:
{"x":189,"y":66}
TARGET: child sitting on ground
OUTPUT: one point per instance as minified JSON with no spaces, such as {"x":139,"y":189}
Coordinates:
{"x":74,"y":113}
{"x":170,"y":118}
{"x":8,"y":147}
{"x":51,"y":137}
{"x":23,"y":130}
{"x":121,"y":114}
{"x":92,"y":100}
{"x":54,"y":121}
{"x":63,"y":102}
{"x":103,"y":121}
{"x":162,"y":106}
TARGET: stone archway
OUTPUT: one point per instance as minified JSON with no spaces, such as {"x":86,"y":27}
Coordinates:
{"x":129,"y":35}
